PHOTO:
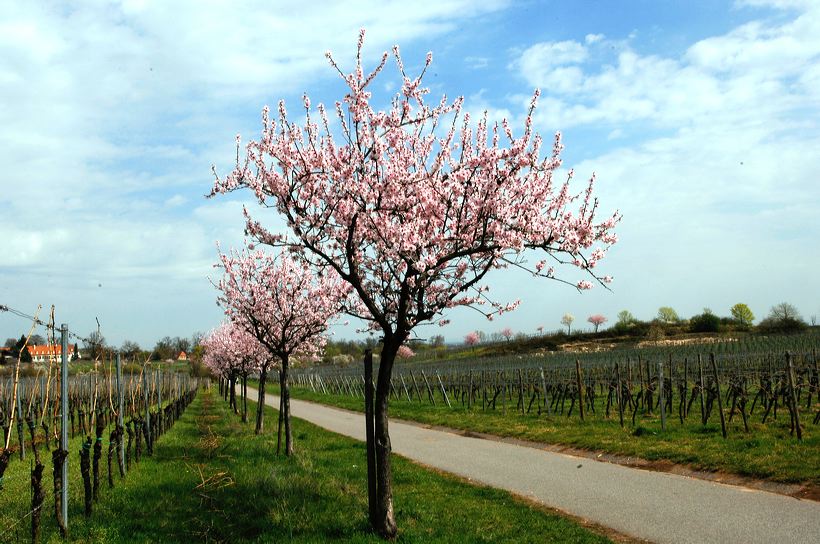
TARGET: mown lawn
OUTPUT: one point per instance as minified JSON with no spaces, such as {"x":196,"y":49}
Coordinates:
{"x":212,"y":480}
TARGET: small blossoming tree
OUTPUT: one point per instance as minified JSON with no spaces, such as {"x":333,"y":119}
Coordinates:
{"x":413,"y":206}
{"x":405,"y":352}
{"x":472,"y":338}
{"x":597,"y":320}
{"x":507,"y":333}
{"x":567,"y":320}
{"x":285,"y":307}
{"x":231,"y":352}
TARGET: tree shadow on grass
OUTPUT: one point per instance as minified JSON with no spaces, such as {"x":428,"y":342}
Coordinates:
{"x":212,"y":480}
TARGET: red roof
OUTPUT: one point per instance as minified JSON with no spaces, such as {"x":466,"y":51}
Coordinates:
{"x":57,"y":350}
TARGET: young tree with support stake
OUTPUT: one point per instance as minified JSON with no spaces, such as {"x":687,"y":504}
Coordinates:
{"x":286,"y":307}
{"x":412,"y":207}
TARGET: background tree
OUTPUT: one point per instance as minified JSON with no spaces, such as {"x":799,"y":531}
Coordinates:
{"x":625,"y":317}
{"x":282,"y":304}
{"x":472,"y":338}
{"x":405,"y":352}
{"x":10,"y":343}
{"x":667,"y":315}
{"x":705,"y":322}
{"x":782,"y":317}
{"x":437,"y":340}
{"x":130,"y":350}
{"x":597,"y":320}
{"x":567,"y":320}
{"x":36,"y":340}
{"x":412,"y":207}
{"x":76,"y":355}
{"x":742,"y":314}
{"x":784,"y":311}
{"x":94,"y":345}
{"x":20,"y":350}
{"x":507,"y":333}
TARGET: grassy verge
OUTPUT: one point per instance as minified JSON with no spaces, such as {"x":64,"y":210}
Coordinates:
{"x":766,"y":452}
{"x":212,"y":480}
{"x":15,"y":492}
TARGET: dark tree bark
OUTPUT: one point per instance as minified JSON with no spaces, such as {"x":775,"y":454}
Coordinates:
{"x":244,"y":397}
{"x":284,"y":390}
{"x":386,"y":520}
{"x":260,"y":405}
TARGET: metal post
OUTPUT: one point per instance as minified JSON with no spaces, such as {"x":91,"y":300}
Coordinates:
{"x":159,"y":401}
{"x":662,"y":396}
{"x":121,"y":447}
{"x":20,"y":433}
{"x":64,"y":420}
{"x":147,"y":410}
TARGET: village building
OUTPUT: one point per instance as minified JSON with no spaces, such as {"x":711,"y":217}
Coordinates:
{"x":45,"y":353}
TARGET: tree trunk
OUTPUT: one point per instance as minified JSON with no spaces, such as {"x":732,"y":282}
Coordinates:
{"x":260,"y":405}
{"x":232,"y":392}
{"x":284,"y":390}
{"x":244,"y":397}
{"x":386,"y":520}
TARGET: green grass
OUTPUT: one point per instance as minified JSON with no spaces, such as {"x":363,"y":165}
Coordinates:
{"x":212,"y":480}
{"x":766,"y":452}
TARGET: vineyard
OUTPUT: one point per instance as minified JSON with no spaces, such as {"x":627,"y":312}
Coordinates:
{"x":102,"y":421}
{"x":759,"y":381}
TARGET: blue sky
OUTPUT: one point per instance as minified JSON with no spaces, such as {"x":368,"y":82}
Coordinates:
{"x":699,"y":118}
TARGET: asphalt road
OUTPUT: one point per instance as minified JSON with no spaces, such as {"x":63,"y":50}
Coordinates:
{"x":654,"y":506}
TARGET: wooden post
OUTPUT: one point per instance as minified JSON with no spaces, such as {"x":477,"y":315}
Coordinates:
{"x":662,"y":396}
{"x":370,"y":434}
{"x":470,"y":391}
{"x":443,"y":390}
{"x":120,"y":399}
{"x":544,"y":387}
{"x":719,"y":399}
{"x":620,"y":396}
{"x":580,"y":388}
{"x":702,"y":402}
{"x":793,"y":396}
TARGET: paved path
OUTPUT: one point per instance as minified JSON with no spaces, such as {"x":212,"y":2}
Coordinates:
{"x":654,"y":506}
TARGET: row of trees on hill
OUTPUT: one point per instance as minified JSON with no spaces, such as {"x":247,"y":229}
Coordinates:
{"x":782,"y":318}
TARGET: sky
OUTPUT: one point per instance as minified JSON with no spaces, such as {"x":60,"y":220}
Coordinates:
{"x":700,"y":119}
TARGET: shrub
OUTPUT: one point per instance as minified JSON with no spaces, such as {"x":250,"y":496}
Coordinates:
{"x":705,"y":322}
{"x":772,"y":325}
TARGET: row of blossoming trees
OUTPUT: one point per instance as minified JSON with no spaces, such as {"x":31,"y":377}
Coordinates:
{"x":394,"y":216}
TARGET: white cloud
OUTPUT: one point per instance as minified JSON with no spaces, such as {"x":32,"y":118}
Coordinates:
{"x":544,"y":64}
{"x":111,"y":114}
{"x":715,"y":163}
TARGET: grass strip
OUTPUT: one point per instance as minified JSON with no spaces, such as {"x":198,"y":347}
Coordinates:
{"x":212,"y":480}
{"x":766,"y":452}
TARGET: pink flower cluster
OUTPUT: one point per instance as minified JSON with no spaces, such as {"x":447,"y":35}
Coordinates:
{"x":280,"y":302}
{"x":411,"y":206}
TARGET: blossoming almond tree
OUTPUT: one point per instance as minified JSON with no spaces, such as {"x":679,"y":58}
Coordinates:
{"x":285,"y":307}
{"x":230,"y":352}
{"x":597,"y":320}
{"x":472,"y":338}
{"x":413,"y":206}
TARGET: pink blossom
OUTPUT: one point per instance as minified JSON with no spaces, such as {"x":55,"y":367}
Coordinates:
{"x":472,"y":338}
{"x":597,"y":320}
